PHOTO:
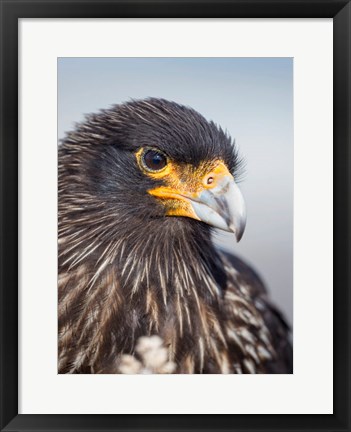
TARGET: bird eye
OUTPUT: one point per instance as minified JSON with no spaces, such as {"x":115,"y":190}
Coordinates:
{"x":154,"y":160}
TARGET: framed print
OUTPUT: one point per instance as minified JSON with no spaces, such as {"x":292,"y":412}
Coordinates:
{"x":174,"y":219}
{"x":158,"y":159}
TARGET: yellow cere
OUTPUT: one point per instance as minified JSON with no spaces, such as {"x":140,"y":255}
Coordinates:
{"x":184,"y":181}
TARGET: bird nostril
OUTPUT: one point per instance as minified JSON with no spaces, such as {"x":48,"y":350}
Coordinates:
{"x":210,"y":180}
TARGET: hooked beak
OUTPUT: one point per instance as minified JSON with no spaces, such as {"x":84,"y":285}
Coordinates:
{"x":222,"y":207}
{"x":216,"y":200}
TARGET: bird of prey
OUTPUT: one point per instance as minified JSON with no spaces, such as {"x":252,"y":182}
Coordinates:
{"x":141,"y":187}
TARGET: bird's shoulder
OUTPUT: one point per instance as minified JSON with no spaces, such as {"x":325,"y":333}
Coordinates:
{"x":243,"y":273}
{"x":247,"y":297}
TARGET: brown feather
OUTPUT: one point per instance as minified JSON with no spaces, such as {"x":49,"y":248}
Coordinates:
{"x":127,"y":272}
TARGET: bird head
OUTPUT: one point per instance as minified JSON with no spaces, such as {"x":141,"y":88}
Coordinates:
{"x":158,"y":159}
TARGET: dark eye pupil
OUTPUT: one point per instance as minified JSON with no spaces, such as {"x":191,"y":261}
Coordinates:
{"x":154,"y":160}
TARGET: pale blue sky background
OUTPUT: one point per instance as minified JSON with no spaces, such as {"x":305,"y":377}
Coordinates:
{"x":250,"y":97}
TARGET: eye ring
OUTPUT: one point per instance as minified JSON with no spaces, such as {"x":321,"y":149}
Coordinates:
{"x":153,"y":160}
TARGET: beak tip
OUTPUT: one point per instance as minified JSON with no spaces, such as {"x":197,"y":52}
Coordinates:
{"x":238,"y":235}
{"x":237,"y":232}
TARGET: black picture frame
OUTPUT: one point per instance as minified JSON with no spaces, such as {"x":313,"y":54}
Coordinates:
{"x":11,"y":12}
